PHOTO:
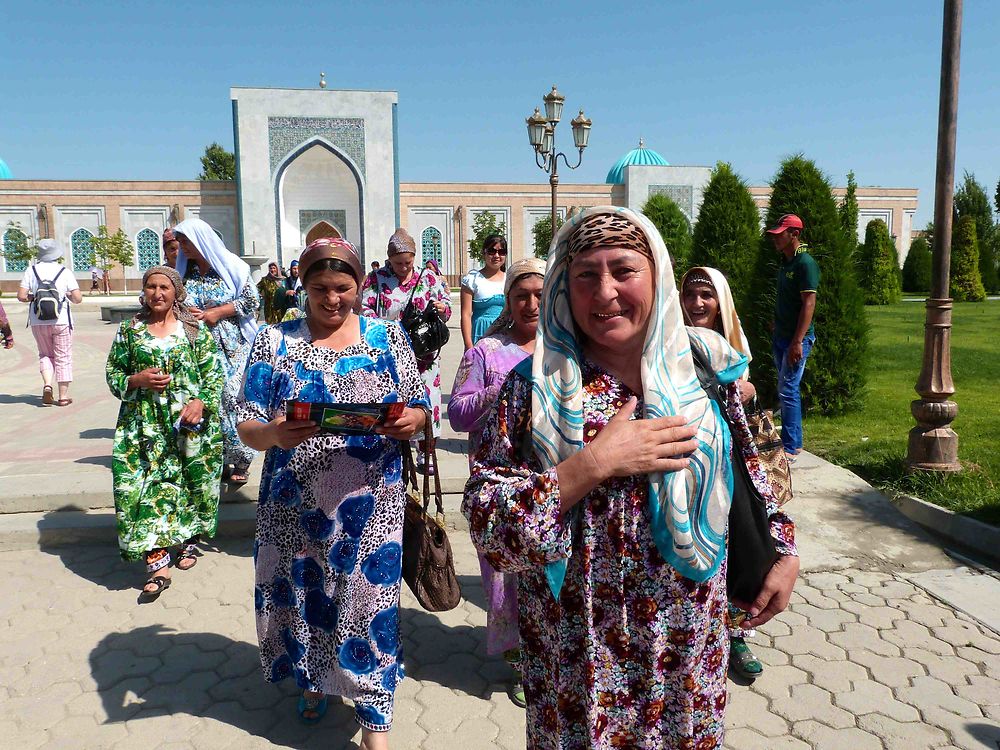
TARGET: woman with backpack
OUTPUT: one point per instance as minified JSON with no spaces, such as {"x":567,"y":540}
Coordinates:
{"x":50,"y":287}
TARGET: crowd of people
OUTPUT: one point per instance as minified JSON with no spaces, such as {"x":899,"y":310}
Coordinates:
{"x":600,"y":471}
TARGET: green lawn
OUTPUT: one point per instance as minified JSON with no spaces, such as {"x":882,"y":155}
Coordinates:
{"x":872,"y":442}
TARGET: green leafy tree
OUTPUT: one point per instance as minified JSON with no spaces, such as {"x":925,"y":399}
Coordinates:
{"x":727,"y":232}
{"x":18,"y":249}
{"x":879,"y":266}
{"x":835,"y":376}
{"x":917,"y":267}
{"x":483,"y":226}
{"x":929,"y":235}
{"x":996,"y":197}
{"x":966,"y":285}
{"x":971,"y":200}
{"x":108,"y":250}
{"x":848,"y":210}
{"x":542,"y":233}
{"x":673,"y":226}
{"x":217,"y":164}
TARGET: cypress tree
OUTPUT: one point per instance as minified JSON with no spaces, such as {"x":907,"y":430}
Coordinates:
{"x":673,"y":226}
{"x":880,"y":266}
{"x":966,"y":285}
{"x":917,"y":267}
{"x":849,"y":210}
{"x":835,"y":374}
{"x":971,"y":200}
{"x":727,"y":232}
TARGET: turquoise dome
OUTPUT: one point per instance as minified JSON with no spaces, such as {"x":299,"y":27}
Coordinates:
{"x":642,"y":156}
{"x":5,"y":173}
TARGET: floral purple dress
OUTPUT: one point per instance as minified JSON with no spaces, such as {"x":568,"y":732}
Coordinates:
{"x":328,"y":547}
{"x":382,"y":296}
{"x":477,"y":384}
{"x":632,"y":655}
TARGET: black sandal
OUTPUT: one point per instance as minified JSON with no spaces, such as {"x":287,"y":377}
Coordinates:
{"x":188,"y":552}
{"x":161,"y":584}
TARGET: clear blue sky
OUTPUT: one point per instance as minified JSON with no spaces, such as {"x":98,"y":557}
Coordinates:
{"x":93,"y":90}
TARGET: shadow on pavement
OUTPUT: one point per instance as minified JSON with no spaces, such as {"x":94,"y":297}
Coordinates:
{"x":988,"y":734}
{"x":453,"y":445}
{"x":24,"y":398}
{"x":472,"y":590}
{"x":98,"y":433}
{"x":102,"y":564}
{"x":104,"y":461}
{"x":156,"y":671}
{"x":450,"y":655}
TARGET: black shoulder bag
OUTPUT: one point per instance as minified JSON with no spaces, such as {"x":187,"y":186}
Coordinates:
{"x":428,"y":332}
{"x":751,"y":546}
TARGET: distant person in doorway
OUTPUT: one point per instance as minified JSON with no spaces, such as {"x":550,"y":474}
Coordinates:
{"x":268,"y":288}
{"x":286,"y":298}
{"x":50,"y":288}
{"x":167,"y":459}
{"x":793,"y":335}
{"x":170,"y":248}
{"x":482,"y":296}
{"x":221,"y":294}
{"x":95,"y":280}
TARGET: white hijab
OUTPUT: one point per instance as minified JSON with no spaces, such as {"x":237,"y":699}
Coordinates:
{"x":232,"y":269}
{"x":732,"y":329}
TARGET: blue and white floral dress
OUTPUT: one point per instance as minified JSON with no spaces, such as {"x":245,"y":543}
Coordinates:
{"x":207,"y":291}
{"x":328,"y":549}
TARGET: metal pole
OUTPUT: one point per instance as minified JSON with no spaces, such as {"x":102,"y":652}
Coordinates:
{"x":933,"y":444}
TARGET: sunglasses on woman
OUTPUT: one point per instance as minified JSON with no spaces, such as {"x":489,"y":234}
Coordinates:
{"x":496,"y":251}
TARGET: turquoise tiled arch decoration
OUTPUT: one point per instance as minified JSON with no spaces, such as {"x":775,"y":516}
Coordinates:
{"x":83,"y":252}
{"x":11,"y":238}
{"x":430,"y":244}
{"x":147,"y":245}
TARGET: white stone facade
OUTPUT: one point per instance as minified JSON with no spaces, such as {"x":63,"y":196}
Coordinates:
{"x":309,"y":155}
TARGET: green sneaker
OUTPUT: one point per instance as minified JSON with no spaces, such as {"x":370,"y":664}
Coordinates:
{"x":742,"y":660}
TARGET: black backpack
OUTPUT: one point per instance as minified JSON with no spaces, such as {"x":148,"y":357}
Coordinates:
{"x":48,"y":300}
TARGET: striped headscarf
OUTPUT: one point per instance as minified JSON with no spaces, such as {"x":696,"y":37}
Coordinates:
{"x":728,"y":319}
{"x":517,"y":270}
{"x":689,"y":509}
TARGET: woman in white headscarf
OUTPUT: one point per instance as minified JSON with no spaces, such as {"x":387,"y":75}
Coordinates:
{"x":603,"y":481}
{"x":707,"y":302}
{"x":221,"y":294}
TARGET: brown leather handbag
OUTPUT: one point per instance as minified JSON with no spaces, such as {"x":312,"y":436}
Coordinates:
{"x":428,"y":564}
{"x":772,"y":453}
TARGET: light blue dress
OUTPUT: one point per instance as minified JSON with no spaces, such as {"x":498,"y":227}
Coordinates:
{"x":487,"y":302}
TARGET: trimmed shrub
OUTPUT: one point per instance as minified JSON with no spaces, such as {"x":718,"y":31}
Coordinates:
{"x":848,"y":210}
{"x":917,"y":267}
{"x":971,"y":200}
{"x":879,"y":272}
{"x":727,"y":232}
{"x":673,"y":226}
{"x":966,"y":285}
{"x":835,"y":375}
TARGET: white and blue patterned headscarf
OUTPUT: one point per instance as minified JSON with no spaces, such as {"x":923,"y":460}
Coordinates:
{"x":689,"y":509}
{"x":232,"y":269}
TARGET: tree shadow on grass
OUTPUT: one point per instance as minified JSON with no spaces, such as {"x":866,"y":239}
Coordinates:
{"x":154,"y":671}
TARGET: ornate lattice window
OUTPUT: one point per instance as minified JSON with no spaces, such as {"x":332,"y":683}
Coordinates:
{"x":430,"y":244}
{"x":12,"y":238}
{"x":83,"y":253}
{"x":147,"y":244}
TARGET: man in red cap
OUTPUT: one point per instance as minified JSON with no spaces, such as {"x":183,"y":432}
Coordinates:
{"x":793,"y":335}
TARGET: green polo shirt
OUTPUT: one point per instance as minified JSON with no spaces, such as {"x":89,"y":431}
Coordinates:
{"x":795,"y":276}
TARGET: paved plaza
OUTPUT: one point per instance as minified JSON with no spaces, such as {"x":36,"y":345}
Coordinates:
{"x":889,"y":641}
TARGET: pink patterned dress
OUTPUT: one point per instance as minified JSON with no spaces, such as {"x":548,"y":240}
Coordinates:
{"x":382,"y":296}
{"x":632,"y":655}
{"x":481,"y":372}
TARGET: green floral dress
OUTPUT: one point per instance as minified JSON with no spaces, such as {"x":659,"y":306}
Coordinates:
{"x":166,"y":482}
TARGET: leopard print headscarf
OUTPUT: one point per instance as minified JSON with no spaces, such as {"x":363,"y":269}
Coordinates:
{"x":610,"y":229}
